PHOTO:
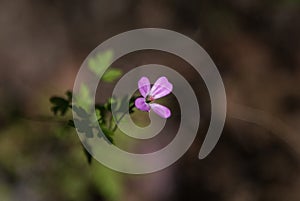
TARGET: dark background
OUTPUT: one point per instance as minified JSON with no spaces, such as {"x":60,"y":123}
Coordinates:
{"x":256,"y":46}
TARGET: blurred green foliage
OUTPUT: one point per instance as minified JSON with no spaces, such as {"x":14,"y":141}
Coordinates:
{"x":107,"y":181}
{"x":83,"y":100}
{"x":102,"y":61}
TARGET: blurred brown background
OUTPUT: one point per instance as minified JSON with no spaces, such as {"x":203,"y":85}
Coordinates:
{"x":256,"y":46}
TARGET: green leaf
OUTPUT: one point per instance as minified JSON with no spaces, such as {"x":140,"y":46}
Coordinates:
{"x":111,"y":102}
{"x":84,"y":99}
{"x":59,"y":105}
{"x":80,"y":112}
{"x":111,"y":75}
{"x":69,"y":94}
{"x":98,"y":114}
{"x":83,"y":126}
{"x":100,"y":62}
{"x":58,"y":100}
{"x":108,"y":133}
{"x":103,"y":112}
{"x":132,"y":104}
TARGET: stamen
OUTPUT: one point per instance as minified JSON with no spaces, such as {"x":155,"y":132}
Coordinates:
{"x":149,"y":99}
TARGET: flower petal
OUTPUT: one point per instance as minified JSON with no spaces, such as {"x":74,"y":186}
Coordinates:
{"x":144,"y":86}
{"x":141,"y":104}
{"x":161,"y":110}
{"x":161,"y":88}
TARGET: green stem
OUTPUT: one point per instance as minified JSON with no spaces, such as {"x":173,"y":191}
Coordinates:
{"x":110,"y":122}
{"x":118,"y":121}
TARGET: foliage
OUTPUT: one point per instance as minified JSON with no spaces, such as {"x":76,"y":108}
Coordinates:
{"x":100,"y":62}
{"x":61,"y":105}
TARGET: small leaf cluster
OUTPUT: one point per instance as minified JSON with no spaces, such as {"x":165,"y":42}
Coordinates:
{"x":103,"y":112}
{"x":83,"y":121}
{"x":61,"y":104}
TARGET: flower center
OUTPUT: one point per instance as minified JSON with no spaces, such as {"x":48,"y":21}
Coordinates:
{"x":149,"y":99}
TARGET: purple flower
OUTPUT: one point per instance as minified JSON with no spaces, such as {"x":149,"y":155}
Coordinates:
{"x":161,"y":88}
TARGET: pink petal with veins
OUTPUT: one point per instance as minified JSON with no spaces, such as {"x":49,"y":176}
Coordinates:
{"x":141,"y":104}
{"x":144,"y":86}
{"x":161,"y":110}
{"x":161,"y":88}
